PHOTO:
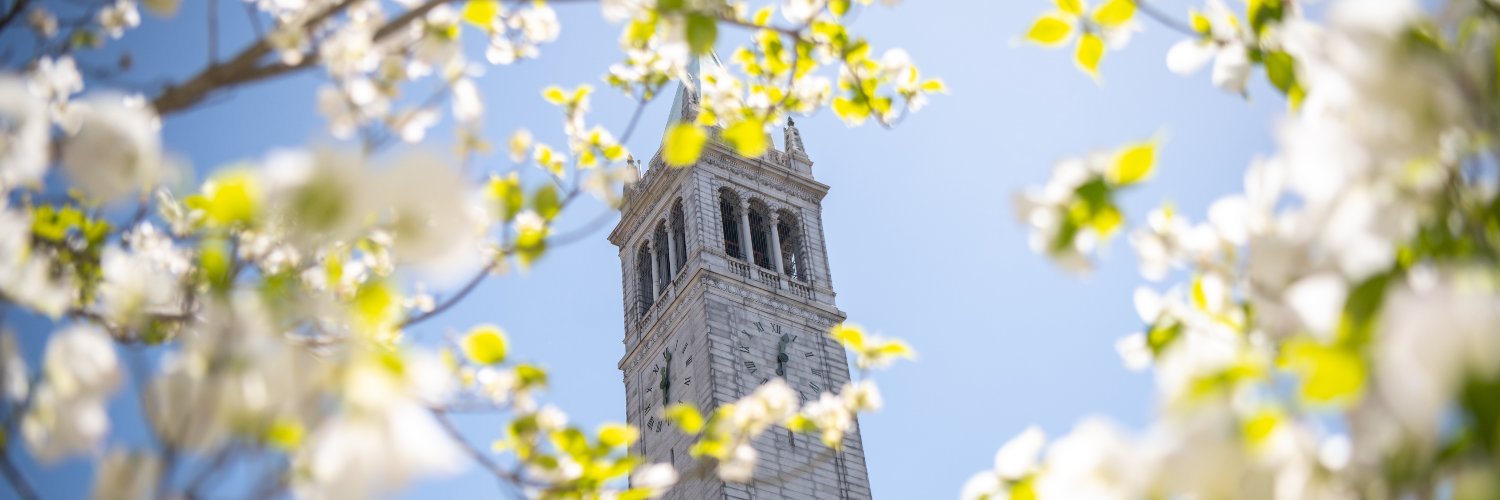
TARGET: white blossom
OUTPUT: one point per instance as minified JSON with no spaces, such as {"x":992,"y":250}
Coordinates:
{"x":116,"y":151}
{"x":124,"y":475}
{"x":24,"y":130}
{"x":119,"y":16}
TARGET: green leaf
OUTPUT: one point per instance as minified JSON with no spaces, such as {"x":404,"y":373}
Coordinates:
{"x":682,"y":145}
{"x":1263,"y":13}
{"x":1281,"y":70}
{"x":1361,"y":308}
{"x":546,"y":202}
{"x":506,"y":195}
{"x":528,"y":376}
{"x":213,"y":264}
{"x":485,"y":345}
{"x":701,"y":32}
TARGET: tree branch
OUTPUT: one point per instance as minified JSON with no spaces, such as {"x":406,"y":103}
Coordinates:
{"x":15,"y":12}
{"x":15,"y":478}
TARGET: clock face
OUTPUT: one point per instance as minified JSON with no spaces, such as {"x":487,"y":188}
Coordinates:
{"x":767,"y":349}
{"x":667,"y":380}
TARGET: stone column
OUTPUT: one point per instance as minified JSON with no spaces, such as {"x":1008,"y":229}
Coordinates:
{"x":671,"y":253}
{"x":776,"y":241}
{"x":655,"y":280}
{"x":747,"y":244}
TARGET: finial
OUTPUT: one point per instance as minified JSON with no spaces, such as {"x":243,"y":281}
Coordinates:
{"x":793,"y":139}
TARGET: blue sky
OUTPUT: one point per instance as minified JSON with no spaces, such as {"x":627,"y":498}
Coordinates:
{"x":923,"y":243}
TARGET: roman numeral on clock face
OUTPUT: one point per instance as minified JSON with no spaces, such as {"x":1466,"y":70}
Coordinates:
{"x":815,"y":387}
{"x":744,"y":348}
{"x":751,"y":366}
{"x":759,"y":326}
{"x":808,"y":355}
{"x":817,"y":372}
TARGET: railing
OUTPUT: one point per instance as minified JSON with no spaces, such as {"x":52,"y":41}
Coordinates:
{"x":799,"y":289}
{"x":739,"y":267}
{"x":769,"y":278}
{"x":794,"y":285}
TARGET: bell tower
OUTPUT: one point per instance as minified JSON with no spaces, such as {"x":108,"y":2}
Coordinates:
{"x":727,"y":286}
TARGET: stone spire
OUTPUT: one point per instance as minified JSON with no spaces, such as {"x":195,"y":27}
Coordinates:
{"x":793,"y":139}
{"x":685,"y":103}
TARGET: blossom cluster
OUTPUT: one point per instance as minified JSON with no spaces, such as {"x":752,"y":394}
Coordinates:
{"x":266,"y":318}
{"x":1337,"y":332}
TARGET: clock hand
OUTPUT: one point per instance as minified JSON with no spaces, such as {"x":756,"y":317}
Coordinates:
{"x":666,"y":379}
{"x":781,"y":357}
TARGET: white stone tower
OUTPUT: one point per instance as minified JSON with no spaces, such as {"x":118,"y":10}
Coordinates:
{"x":726,"y":287}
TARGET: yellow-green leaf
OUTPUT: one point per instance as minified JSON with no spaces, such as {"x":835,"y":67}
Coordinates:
{"x":748,"y":137}
{"x":485,"y":345}
{"x":232,"y":198}
{"x":763,"y":16}
{"x":1200,"y":22}
{"x":1050,"y":29}
{"x":555,"y":95}
{"x":546,"y":202}
{"x":851,"y":111}
{"x":481,"y":13}
{"x":1106,"y":220}
{"x":1132,"y":164}
{"x":285,"y":435}
{"x":1090,"y":51}
{"x":615,"y":435}
{"x":377,"y":308}
{"x":506,"y":195}
{"x":685,"y":416}
{"x":1258,"y":427}
{"x":848,"y":334}
{"x":701,"y":33}
{"x":1115,"y":13}
{"x":1330,"y":374}
{"x":1074,"y":7}
{"x":682,"y":145}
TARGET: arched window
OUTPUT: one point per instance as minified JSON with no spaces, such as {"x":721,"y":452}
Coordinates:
{"x":729,"y":219}
{"x":790,"y":234}
{"x":663,"y":259}
{"x":760,"y":238}
{"x":644,"y":291}
{"x":679,"y":236}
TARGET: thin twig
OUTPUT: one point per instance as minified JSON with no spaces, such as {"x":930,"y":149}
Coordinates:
{"x":1163,"y":18}
{"x":15,"y":11}
{"x":17,"y":481}
{"x":457,"y":297}
{"x":507,"y":479}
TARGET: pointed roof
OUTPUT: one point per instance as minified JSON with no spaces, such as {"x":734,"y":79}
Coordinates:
{"x":685,"y":103}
